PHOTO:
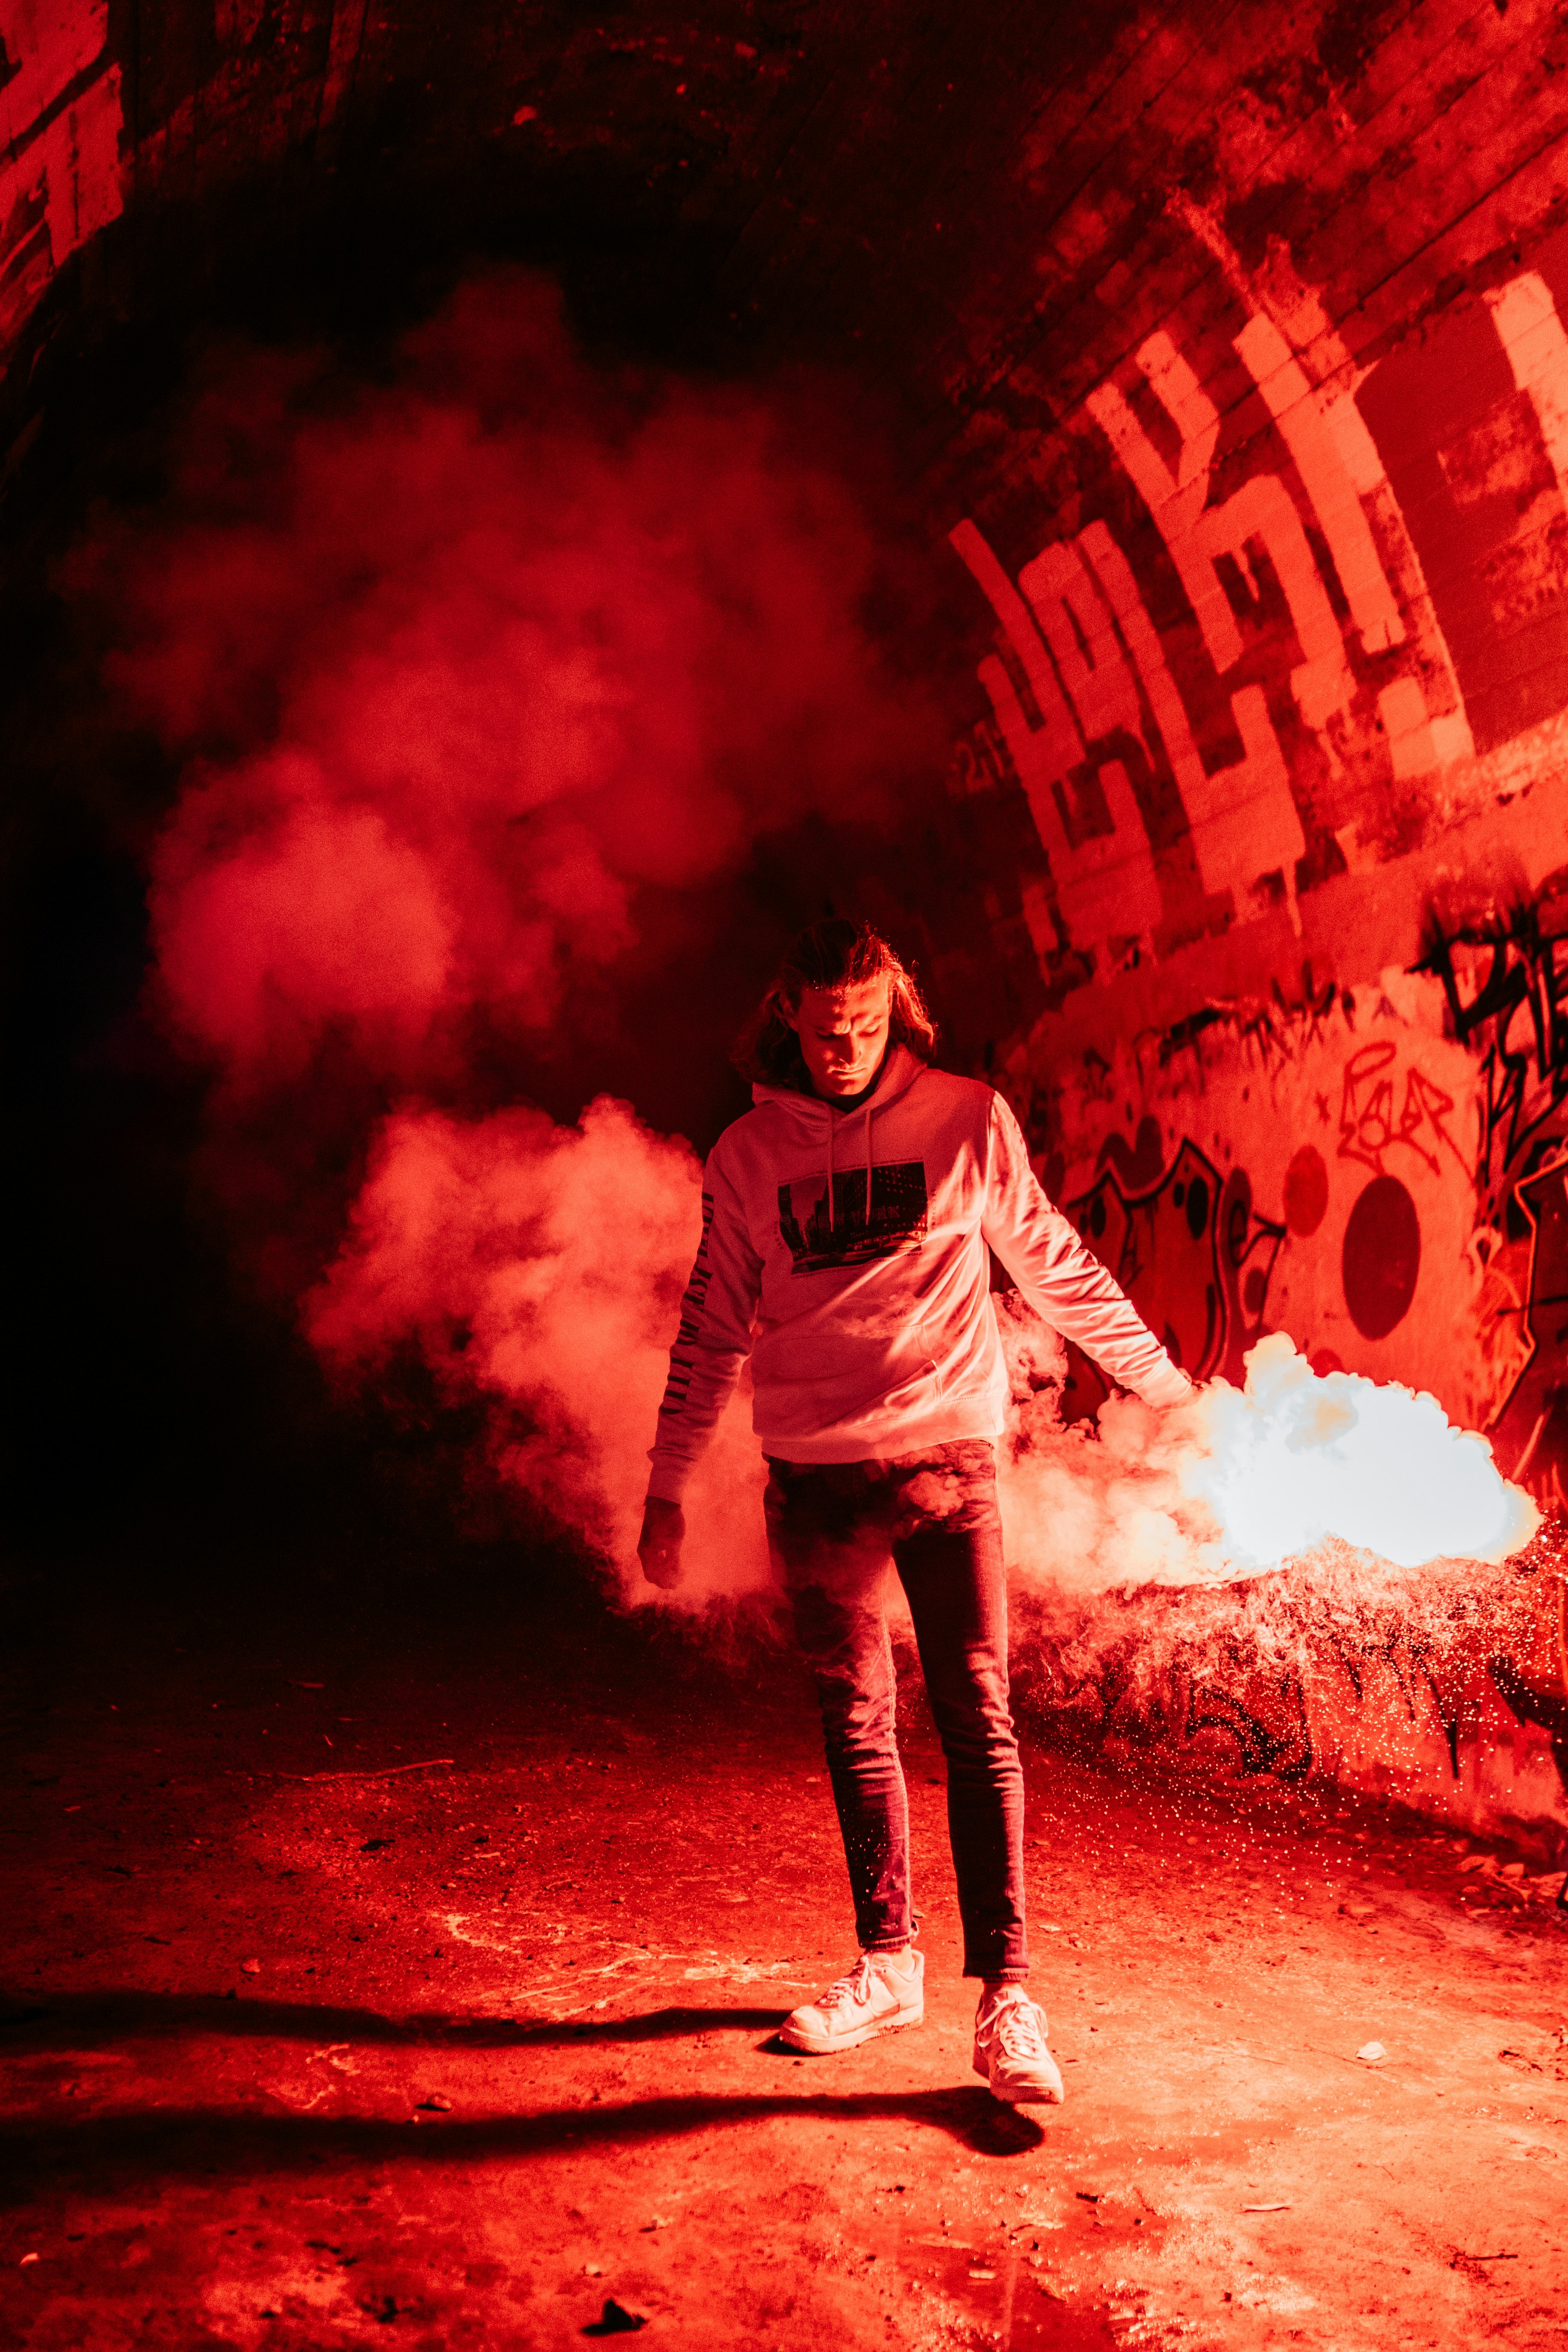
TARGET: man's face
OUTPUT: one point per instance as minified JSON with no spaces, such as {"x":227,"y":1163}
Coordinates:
{"x":844,"y":1034}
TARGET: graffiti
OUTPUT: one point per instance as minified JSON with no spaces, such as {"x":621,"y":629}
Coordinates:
{"x":1191,"y":1673}
{"x":1420,"y":712}
{"x":1369,"y":1124}
{"x":60,"y":123}
{"x":1505,"y":987}
{"x":1262,"y":1712}
{"x":1106,"y":711}
{"x":1143,"y":1690}
{"x":1516,"y":1018}
{"x":1260,"y":520}
{"x":1356,"y":1120}
{"x":1075,"y":765}
{"x":1284,"y":1030}
{"x":1189,"y":1251}
{"x":1270,"y":1677}
{"x":1530,"y":1432}
{"x":1094,"y":705}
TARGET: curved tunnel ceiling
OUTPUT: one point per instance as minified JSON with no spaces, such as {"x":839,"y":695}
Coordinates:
{"x":995,"y":206}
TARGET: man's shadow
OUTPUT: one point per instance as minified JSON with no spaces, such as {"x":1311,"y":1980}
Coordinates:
{"x":69,"y":2020}
{"x":208,"y":2141}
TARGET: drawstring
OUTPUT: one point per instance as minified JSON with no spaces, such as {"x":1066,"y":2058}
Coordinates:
{"x":867,"y":1167}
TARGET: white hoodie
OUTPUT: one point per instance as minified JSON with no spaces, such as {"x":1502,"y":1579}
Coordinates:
{"x":874,"y":1335}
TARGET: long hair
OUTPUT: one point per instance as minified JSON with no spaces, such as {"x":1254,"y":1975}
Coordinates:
{"x":831,"y":954}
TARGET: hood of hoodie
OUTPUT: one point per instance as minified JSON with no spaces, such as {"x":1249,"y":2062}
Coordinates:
{"x":814,"y":1116}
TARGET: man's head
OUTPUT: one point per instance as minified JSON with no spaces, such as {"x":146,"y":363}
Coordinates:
{"x":838,"y":997}
{"x":844,"y":1032}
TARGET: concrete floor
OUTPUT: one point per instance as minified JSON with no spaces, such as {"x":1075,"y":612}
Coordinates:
{"x":313,"y":2040}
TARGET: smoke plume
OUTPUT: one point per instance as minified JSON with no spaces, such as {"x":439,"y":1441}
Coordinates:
{"x":483,"y":676}
{"x":464,"y":668}
{"x":541,"y":1267}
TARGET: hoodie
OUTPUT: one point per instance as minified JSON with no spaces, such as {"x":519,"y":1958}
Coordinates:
{"x":845,"y":1253}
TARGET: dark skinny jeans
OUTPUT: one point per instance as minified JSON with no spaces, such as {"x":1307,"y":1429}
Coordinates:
{"x":832,"y":1528}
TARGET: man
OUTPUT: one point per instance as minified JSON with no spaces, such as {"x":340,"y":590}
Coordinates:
{"x":846,"y":1222}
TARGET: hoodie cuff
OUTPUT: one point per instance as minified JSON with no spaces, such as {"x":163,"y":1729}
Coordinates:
{"x":1165,"y":1385}
{"x":667,"y":1481}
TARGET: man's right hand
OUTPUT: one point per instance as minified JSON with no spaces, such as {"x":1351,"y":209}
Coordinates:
{"x":658,"y":1545}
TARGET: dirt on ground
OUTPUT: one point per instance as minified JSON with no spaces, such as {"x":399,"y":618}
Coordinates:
{"x":408,"y":1972}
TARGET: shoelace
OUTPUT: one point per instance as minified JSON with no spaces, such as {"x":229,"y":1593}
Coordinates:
{"x":855,"y":1987}
{"x":1016,"y":2027}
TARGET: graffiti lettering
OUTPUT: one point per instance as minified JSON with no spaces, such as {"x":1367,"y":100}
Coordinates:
{"x":1259,"y":515}
{"x":1530,"y":1432}
{"x":1090,"y":662}
{"x":1517,"y":1019}
{"x":1085,"y":813}
{"x":1369,"y":1125}
{"x":1244,"y":822}
{"x":1342,"y":472}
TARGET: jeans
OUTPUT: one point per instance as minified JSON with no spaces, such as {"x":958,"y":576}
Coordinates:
{"x":832,"y":1530}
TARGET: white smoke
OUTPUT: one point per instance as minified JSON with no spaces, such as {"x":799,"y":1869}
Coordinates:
{"x":1235,"y":1483}
{"x":1296,"y":1458}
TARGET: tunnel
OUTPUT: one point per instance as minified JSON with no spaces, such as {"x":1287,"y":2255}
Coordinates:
{"x":511,"y":520}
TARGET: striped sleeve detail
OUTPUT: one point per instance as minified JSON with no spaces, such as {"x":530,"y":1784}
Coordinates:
{"x":683,"y":1354}
{"x":713,"y":1339}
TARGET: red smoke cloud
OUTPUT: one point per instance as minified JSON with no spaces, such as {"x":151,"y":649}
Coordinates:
{"x":542,"y":1268}
{"x":464,"y":663}
{"x":466,"y":669}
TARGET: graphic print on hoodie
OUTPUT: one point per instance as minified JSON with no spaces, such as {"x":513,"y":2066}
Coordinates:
{"x":817,"y":1241}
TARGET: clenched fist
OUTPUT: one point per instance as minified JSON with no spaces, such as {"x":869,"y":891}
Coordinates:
{"x":658,"y":1545}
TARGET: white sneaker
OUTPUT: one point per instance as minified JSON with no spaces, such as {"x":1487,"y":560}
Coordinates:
{"x":1010,"y":2053}
{"x":871,"y":1999}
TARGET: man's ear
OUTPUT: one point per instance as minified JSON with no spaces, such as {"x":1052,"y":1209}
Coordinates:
{"x":790,"y":1020}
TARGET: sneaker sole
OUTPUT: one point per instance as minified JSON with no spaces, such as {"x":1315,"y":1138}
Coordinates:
{"x":1047,"y":2095}
{"x":822,"y":2045}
